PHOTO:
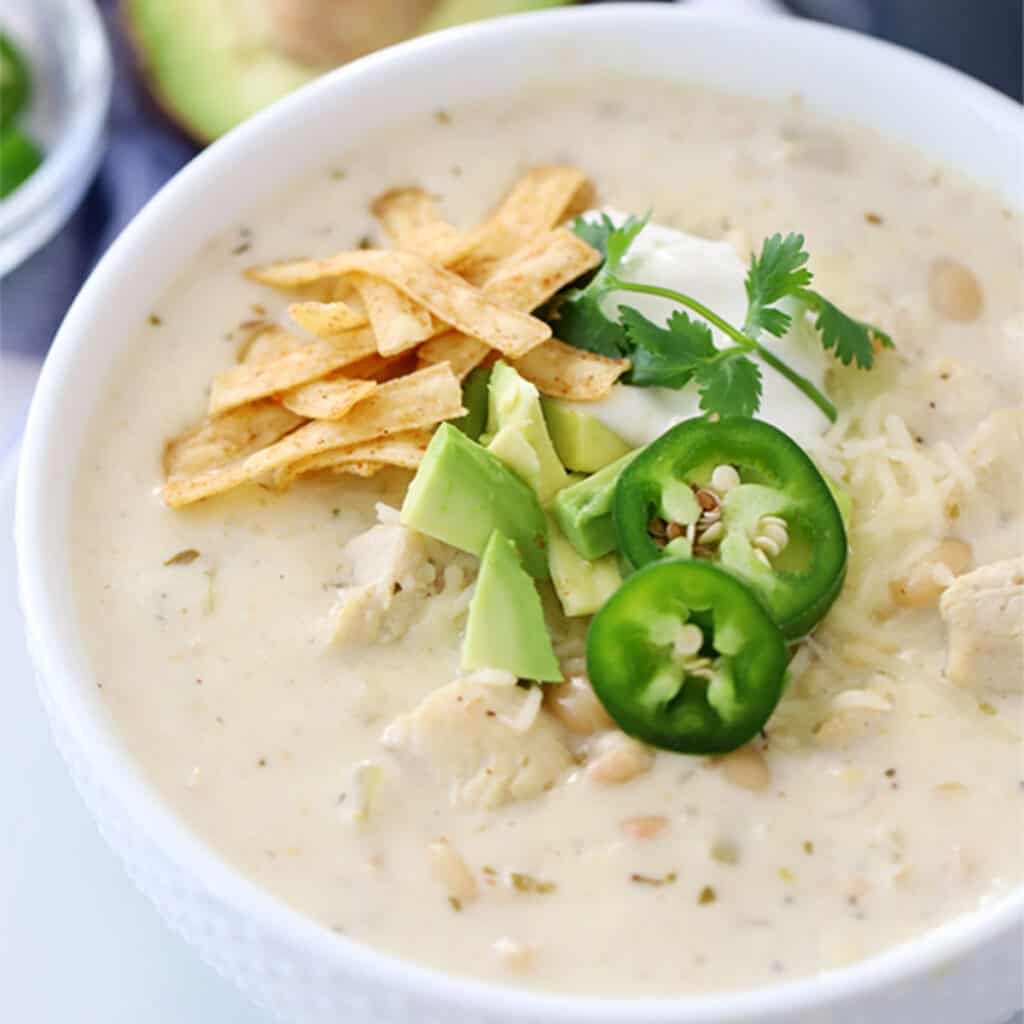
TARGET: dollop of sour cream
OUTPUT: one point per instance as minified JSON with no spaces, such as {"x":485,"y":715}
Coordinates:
{"x":713,"y":273}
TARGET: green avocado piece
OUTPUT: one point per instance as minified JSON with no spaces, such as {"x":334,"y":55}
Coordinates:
{"x":584,"y":510}
{"x":458,"y":12}
{"x":210,"y":65}
{"x":213,"y":63}
{"x":583,"y":442}
{"x":461,"y":494}
{"x":506,"y":628}
{"x":518,"y":434}
{"x":19,"y":158}
{"x":15,"y":82}
{"x":582,"y":586}
{"x":474,"y":399}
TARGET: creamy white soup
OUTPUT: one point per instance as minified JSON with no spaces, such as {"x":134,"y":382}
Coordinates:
{"x":291,"y":684}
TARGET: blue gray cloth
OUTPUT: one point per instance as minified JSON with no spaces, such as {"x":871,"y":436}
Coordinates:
{"x":143,"y":152}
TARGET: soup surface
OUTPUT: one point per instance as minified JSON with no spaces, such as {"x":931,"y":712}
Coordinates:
{"x":884,"y":797}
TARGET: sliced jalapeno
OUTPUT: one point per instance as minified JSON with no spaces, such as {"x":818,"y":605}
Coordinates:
{"x":685,"y":657}
{"x":740,"y":493}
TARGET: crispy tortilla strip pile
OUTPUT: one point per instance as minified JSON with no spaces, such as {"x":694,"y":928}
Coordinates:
{"x":379,"y":341}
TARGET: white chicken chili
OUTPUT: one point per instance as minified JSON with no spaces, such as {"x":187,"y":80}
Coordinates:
{"x":375,"y":698}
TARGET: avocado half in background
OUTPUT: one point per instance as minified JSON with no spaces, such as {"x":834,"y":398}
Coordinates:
{"x":213,"y":63}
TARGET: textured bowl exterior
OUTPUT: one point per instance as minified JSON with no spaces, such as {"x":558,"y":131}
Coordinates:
{"x":967,"y":971}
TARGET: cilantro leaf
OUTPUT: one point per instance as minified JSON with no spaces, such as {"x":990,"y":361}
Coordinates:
{"x":778,"y":272}
{"x":682,"y":351}
{"x":594,"y":232}
{"x":579,"y":320}
{"x":851,"y":340}
{"x":729,"y":385}
{"x":665,"y":356}
{"x":576,"y":315}
{"x":610,"y":241}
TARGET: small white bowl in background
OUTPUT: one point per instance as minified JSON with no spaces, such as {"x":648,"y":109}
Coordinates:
{"x":68,"y":58}
{"x":967,"y":971}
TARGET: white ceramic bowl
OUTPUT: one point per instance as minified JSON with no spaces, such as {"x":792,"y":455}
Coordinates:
{"x":967,"y":971}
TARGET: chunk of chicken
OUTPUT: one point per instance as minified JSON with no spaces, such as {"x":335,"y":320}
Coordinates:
{"x":380,"y":563}
{"x":491,"y":744}
{"x":984,"y":615}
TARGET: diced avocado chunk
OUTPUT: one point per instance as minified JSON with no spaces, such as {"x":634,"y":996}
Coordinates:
{"x":515,"y":422}
{"x":506,"y":628}
{"x":511,"y":446}
{"x":461,"y":494}
{"x":475,"y":400}
{"x":582,"y":586}
{"x":582,"y":441}
{"x":584,"y":510}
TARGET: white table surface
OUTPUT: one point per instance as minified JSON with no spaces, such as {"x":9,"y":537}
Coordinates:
{"x":78,"y":943}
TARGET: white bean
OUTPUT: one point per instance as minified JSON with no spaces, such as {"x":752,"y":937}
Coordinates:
{"x":620,"y":759}
{"x":954,"y":291}
{"x":645,"y":826}
{"x":576,"y":706}
{"x":747,"y":768}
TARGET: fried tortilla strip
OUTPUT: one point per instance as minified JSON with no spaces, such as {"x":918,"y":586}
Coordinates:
{"x":398,"y":323}
{"x":266,"y":343}
{"x":540,"y":269}
{"x":459,"y":351}
{"x":563,"y":371}
{"x":225,"y":439}
{"x":325,"y":319}
{"x":444,"y":294}
{"x":327,"y":399}
{"x":363,"y":469}
{"x":421,"y":399}
{"x":524,"y":281}
{"x":539,"y":201}
{"x":380,"y":368}
{"x":405,"y":450}
{"x":262,"y":378}
{"x":412,"y":220}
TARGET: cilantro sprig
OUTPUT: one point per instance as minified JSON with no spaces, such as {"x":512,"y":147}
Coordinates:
{"x":581,"y":320}
{"x":682,"y":351}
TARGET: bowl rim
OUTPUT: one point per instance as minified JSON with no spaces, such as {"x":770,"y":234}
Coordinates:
{"x":32,"y":214}
{"x":931,"y":951}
